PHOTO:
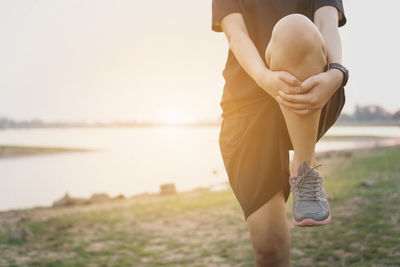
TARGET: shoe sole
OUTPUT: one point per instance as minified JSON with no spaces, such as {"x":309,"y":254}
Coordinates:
{"x":311,"y":222}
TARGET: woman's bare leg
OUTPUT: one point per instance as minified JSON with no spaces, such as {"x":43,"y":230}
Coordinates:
{"x":298,"y":47}
{"x":269,"y":233}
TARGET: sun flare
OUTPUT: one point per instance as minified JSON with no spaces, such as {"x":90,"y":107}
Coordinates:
{"x":175,"y":117}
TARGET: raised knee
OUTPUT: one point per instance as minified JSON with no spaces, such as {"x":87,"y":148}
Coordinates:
{"x":295,"y":28}
{"x":297,"y":35}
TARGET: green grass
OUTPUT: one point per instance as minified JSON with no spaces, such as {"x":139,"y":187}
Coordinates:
{"x":207,"y":228}
{"x":365,"y":219}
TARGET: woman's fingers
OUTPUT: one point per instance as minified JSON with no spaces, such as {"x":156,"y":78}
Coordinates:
{"x":296,"y":98}
{"x":297,"y":106}
{"x":291,"y":85}
{"x":309,"y":83}
{"x":290,"y":89}
{"x":299,"y":109}
{"x":289,"y":78}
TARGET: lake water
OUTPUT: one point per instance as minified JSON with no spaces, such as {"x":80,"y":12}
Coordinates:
{"x":129,"y":161}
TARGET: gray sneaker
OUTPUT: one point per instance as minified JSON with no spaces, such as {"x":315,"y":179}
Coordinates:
{"x":310,"y":206}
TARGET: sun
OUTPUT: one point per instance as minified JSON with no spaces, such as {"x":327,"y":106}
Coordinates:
{"x":172,"y":117}
{"x":175,"y":117}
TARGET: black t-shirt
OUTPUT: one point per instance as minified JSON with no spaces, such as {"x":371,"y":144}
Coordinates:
{"x":241,"y":94}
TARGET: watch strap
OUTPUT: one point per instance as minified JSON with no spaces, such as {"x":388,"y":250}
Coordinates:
{"x":342,"y":69}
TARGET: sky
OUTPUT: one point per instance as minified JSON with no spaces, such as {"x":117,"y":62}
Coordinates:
{"x":98,"y":60}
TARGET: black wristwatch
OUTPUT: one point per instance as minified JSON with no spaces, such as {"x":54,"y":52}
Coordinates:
{"x":342,"y":69}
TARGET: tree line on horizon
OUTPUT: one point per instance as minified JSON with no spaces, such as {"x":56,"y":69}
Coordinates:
{"x":361,"y":114}
{"x":369,"y":113}
{"x":6,"y":123}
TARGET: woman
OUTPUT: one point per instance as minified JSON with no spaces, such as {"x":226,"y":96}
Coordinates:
{"x":284,"y":88}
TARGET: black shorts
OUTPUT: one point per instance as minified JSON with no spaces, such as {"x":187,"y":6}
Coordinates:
{"x":255,"y":151}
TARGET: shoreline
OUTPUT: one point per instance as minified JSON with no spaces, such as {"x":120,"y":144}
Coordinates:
{"x":13,"y":151}
{"x":320,"y":156}
{"x":147,"y":124}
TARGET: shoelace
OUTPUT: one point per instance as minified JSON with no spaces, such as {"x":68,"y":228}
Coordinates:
{"x":307,"y":188}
